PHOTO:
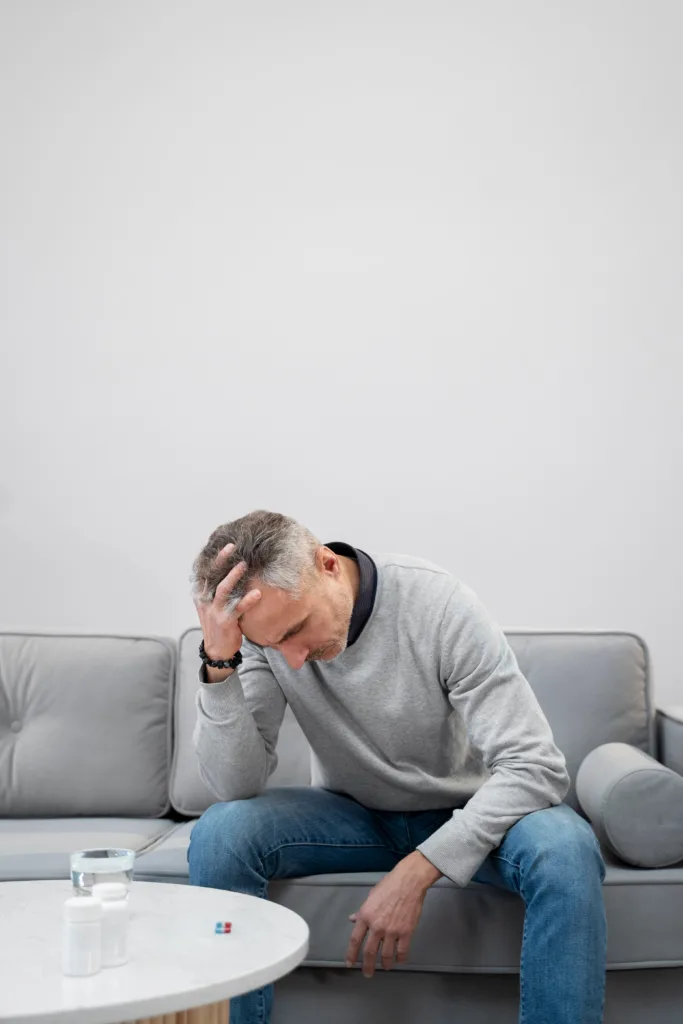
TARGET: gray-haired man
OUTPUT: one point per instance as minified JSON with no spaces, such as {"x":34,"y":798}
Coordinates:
{"x":431,"y":754}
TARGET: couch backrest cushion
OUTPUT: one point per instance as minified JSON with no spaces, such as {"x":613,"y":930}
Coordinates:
{"x":189,"y":795}
{"x":85,"y":725}
{"x":594,"y":688}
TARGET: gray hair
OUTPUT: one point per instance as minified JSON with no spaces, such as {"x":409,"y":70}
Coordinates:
{"x":278,"y":550}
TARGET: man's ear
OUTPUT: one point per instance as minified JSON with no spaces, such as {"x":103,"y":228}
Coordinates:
{"x":326,"y":560}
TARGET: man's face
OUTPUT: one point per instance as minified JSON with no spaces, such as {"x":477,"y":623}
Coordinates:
{"x":313,"y":628}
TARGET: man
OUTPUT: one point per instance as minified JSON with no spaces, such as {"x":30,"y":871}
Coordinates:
{"x":431,"y":755}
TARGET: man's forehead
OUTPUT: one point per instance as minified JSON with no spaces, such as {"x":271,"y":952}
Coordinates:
{"x":270,"y":617}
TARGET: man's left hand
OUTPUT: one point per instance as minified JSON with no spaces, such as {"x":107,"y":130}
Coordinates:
{"x":390,"y":914}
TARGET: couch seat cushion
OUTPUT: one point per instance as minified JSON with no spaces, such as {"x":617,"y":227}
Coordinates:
{"x":478,"y":928}
{"x":166,"y":860}
{"x":40,"y":848}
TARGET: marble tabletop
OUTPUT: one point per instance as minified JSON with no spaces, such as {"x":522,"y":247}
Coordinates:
{"x":176,"y":959}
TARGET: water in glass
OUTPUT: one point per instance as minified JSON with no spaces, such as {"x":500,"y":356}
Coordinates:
{"x":88,"y":867}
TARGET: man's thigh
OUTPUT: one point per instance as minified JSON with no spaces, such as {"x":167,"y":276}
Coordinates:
{"x":292,"y":832}
{"x":555,"y":836}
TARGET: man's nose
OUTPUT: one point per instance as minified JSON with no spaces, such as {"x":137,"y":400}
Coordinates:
{"x":295,"y":656}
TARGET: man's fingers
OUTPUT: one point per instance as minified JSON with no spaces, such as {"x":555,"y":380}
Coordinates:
{"x":388,"y":951}
{"x":402,"y":949}
{"x":224,"y":554}
{"x":221,"y":559}
{"x":370,"y":952}
{"x":247,"y":602}
{"x":357,"y":936}
{"x":225,"y":586}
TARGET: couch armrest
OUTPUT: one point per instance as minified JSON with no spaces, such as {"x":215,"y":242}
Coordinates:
{"x":634,"y":803}
{"x":670,"y":737}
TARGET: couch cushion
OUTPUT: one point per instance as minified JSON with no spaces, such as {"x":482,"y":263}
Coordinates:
{"x":478,"y":928}
{"x":40,"y":848}
{"x":189,"y":794}
{"x":166,"y":861}
{"x":594,"y":688}
{"x":85,"y":725}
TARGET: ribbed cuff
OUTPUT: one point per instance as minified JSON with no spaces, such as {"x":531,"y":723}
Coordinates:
{"x":452,"y":850}
{"x":220,"y":700}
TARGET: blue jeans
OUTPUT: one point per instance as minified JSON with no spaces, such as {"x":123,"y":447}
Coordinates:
{"x":550,"y":857}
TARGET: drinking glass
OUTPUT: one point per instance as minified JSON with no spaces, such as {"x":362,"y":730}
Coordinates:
{"x":88,"y":867}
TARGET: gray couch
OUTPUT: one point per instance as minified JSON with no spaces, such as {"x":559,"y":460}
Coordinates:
{"x":96,"y":749}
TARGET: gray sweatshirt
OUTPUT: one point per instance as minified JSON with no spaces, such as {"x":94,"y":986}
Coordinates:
{"x":427,"y":709}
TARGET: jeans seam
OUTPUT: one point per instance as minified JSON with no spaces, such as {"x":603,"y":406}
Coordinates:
{"x":522,"y":1008}
{"x":308,"y":842}
{"x":499,"y":856}
{"x":409,"y":838}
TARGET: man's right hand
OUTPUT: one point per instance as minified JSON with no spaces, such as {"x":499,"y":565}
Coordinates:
{"x":222,"y":633}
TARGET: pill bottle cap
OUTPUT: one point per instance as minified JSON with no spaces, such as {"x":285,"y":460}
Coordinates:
{"x":82,"y":908}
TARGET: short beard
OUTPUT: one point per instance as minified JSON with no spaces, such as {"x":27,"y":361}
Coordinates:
{"x":319,"y":653}
{"x":341,"y":643}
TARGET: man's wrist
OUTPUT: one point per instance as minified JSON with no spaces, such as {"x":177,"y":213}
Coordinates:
{"x":215,"y":675}
{"x":422,"y":870}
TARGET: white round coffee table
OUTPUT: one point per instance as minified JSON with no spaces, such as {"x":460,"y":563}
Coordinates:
{"x":179,"y":970}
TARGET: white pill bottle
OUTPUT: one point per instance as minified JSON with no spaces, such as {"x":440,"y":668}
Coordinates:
{"x":114,"y":899}
{"x":82,"y":936}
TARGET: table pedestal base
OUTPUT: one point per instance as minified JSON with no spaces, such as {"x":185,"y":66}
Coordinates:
{"x":214,"y":1013}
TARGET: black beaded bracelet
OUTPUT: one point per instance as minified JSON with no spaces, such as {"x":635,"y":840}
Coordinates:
{"x":233,"y":662}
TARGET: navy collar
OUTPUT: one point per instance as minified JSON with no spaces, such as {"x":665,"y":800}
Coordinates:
{"x":367,"y":588}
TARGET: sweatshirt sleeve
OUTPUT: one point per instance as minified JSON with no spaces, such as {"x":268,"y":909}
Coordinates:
{"x":237,"y":726}
{"x":505,"y":724}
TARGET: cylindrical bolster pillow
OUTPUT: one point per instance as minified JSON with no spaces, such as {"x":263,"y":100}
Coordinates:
{"x":634,"y":803}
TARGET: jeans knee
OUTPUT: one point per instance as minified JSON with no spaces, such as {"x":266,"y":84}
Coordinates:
{"x":567,"y":857}
{"x":222,"y":847}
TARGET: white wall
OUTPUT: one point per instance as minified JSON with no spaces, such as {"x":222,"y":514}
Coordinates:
{"x":410,"y":272}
